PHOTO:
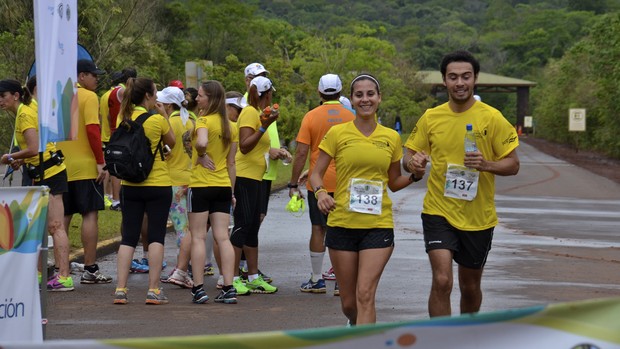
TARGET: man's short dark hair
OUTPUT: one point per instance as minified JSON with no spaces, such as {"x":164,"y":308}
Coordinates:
{"x":459,"y":56}
{"x":332,"y":97}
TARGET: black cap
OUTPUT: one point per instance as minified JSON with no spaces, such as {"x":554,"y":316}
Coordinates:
{"x":12,"y":86}
{"x":88,"y":66}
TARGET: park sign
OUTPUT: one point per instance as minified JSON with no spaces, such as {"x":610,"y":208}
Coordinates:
{"x":577,"y":119}
{"x":55,"y":36}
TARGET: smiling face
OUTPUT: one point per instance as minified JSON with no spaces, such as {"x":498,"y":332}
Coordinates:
{"x":460,"y":81}
{"x":365,"y":98}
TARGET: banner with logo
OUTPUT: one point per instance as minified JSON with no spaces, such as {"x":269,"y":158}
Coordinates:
{"x":23,"y":216}
{"x":55,"y":35}
{"x":592,"y":324}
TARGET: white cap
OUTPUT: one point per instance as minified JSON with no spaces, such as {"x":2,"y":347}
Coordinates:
{"x":174,"y":95}
{"x":262,"y":84}
{"x":330,"y":84}
{"x":238,"y":102}
{"x":346,"y":102}
{"x":255,"y":69}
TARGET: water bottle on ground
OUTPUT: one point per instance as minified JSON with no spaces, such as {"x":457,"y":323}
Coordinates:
{"x":470,"y":139}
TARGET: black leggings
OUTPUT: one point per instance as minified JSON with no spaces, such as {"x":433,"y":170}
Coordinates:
{"x":247,"y":213}
{"x":135,"y":202}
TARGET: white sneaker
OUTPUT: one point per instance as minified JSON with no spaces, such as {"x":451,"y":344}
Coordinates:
{"x":220,"y":282}
{"x":181,"y":278}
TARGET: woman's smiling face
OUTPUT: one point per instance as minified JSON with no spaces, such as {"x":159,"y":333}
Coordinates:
{"x":365,"y":98}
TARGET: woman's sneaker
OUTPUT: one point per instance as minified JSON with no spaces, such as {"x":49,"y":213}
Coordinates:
{"x":227,"y":297}
{"x":95,"y":278}
{"x":259,"y":285}
{"x":156,"y":296}
{"x":209,"y":269}
{"x":329,"y":275}
{"x":181,"y":279}
{"x":120,"y":296}
{"x":58,"y":283}
{"x":220,"y":282}
{"x":200,"y":296}
{"x":336,"y":290}
{"x":138,"y":267}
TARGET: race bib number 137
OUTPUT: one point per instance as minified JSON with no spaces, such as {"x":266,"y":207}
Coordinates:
{"x":461,"y":182}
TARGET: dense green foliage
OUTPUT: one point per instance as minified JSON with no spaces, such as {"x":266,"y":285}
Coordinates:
{"x":298,"y":41}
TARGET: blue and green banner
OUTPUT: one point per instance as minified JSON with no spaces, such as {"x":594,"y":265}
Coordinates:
{"x":23,"y":216}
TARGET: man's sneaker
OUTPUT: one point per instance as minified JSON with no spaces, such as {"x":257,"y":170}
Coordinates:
{"x":138,"y":267}
{"x":220,"y":282}
{"x":336,"y":290}
{"x":116,"y":206}
{"x":120,"y":296}
{"x":209,"y":269}
{"x":181,"y":278}
{"x":106,"y":201}
{"x":259,"y":285}
{"x":243,"y":274}
{"x":228,"y":297}
{"x":95,"y":278}
{"x":156,"y":297}
{"x":145,"y":261}
{"x":329,"y":275}
{"x":313,"y":287}
{"x":59,"y":284}
{"x":200,"y":297}
{"x":267,"y":279}
{"x":240,"y":287}
{"x":77,"y":268}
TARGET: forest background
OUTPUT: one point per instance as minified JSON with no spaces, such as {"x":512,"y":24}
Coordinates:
{"x":570,"y":48}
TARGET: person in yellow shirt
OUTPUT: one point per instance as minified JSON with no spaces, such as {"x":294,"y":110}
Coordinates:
{"x":251,"y":162}
{"x":150,"y":198}
{"x":106,"y":132}
{"x":210,"y":189}
{"x":179,"y":167}
{"x":459,"y":216}
{"x":360,"y":227}
{"x":15,"y":99}
{"x":84,"y":161}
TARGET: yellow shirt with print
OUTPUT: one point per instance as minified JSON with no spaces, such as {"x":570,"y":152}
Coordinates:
{"x":253,"y":164}
{"x":26,"y":119}
{"x":179,"y":161}
{"x":358,"y":156}
{"x":201,"y":176}
{"x":154,"y":128}
{"x":104,"y":114}
{"x":79,"y":157}
{"x":440,"y":133}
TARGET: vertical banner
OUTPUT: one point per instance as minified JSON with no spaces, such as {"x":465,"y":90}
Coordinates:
{"x":55,"y":35}
{"x":23,"y":216}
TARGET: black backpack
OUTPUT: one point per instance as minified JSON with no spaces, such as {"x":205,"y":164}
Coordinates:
{"x":128,"y":154}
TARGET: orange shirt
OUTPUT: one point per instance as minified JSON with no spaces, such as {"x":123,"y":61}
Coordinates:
{"x":314,"y":126}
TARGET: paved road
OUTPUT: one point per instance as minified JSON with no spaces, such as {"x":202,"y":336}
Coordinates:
{"x":557,"y":241}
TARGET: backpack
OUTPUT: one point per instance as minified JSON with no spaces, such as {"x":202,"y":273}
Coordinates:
{"x":128,"y":154}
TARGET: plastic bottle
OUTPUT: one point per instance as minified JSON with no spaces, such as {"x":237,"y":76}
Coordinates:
{"x":470,"y":139}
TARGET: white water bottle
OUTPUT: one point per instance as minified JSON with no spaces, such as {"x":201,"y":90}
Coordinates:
{"x":470,"y":139}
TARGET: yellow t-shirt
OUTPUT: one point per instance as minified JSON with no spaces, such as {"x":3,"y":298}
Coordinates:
{"x":104,"y":111}
{"x":440,"y":133}
{"x":155,"y":127}
{"x":358,"y":156}
{"x":179,"y":161}
{"x":79,"y":157}
{"x":203,"y":177}
{"x":253,"y":164}
{"x":26,"y":119}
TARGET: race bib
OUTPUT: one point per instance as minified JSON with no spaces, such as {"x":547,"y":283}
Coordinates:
{"x":461,"y":182}
{"x":366,"y":196}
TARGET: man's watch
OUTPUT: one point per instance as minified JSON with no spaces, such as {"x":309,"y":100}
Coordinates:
{"x":292,"y":186}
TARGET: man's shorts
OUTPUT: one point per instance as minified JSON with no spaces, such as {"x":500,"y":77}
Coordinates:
{"x":84,"y":196}
{"x":57,"y":183}
{"x":316,"y":216}
{"x":211,"y":199}
{"x":346,"y":239}
{"x":470,"y":248}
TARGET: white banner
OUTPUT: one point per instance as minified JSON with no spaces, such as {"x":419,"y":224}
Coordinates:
{"x":23,"y":216}
{"x":55,"y":34}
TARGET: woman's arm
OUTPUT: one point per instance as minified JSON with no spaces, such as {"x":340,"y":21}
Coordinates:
{"x":396,"y":181}
{"x":325,"y":202}
{"x":202,"y":139}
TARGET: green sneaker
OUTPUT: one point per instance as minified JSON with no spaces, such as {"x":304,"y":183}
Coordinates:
{"x":259,"y":285}
{"x":240,"y":287}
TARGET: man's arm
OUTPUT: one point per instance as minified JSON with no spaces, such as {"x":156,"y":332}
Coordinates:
{"x":301,"y":154}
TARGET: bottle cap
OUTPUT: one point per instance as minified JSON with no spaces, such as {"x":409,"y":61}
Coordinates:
{"x":469,"y":127}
